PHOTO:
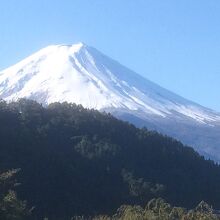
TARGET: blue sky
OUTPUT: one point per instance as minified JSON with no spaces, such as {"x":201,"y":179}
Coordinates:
{"x":173,"y":43}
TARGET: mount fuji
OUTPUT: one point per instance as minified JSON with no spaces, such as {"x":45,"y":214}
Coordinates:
{"x":81,"y":74}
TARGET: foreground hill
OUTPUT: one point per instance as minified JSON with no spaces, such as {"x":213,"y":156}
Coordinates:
{"x":77,"y":161}
{"x":80,"y":74}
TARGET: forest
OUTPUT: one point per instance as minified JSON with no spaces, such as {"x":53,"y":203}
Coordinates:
{"x":67,"y":162}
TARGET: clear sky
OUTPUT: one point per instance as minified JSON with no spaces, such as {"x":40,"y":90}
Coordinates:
{"x":175,"y":43}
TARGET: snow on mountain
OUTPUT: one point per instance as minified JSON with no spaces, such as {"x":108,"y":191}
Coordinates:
{"x":81,"y":74}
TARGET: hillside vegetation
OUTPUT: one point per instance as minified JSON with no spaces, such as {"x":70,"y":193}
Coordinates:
{"x":76,"y":161}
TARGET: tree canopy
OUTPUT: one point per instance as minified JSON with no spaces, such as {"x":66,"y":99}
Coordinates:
{"x":76,"y":161}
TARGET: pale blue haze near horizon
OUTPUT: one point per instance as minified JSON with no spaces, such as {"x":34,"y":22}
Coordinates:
{"x":173,"y":43}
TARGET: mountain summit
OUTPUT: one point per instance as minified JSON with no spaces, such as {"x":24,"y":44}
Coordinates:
{"x":82,"y":75}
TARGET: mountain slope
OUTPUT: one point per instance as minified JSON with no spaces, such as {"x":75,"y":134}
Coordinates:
{"x":82,"y":75}
{"x":76,"y":161}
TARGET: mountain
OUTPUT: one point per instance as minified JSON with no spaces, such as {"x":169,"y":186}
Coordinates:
{"x":80,"y":74}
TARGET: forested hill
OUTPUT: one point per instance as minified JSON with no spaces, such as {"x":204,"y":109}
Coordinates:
{"x":76,"y":161}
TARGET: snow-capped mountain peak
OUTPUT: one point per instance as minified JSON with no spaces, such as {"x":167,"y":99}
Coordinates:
{"x":80,"y":74}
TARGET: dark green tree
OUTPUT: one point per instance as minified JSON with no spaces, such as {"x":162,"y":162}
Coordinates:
{"x":11,"y":208}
